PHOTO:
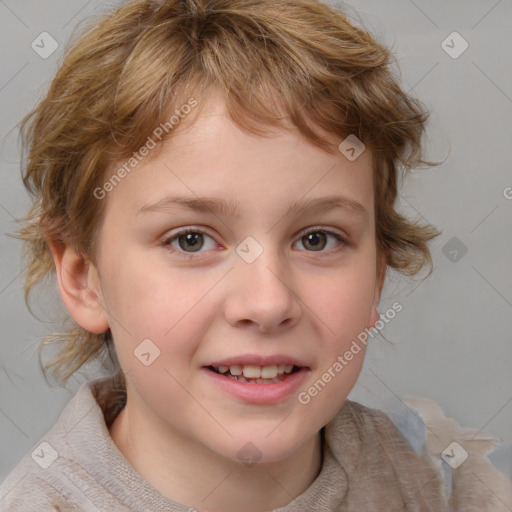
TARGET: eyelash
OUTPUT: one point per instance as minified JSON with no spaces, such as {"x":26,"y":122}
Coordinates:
{"x":166,"y":242}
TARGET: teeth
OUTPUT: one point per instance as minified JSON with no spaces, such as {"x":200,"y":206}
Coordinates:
{"x":236,"y":369}
{"x":250,"y":371}
{"x":269,"y":372}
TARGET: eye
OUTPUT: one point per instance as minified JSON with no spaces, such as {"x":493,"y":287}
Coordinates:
{"x":317,"y":239}
{"x":191,"y":240}
{"x":187,"y":241}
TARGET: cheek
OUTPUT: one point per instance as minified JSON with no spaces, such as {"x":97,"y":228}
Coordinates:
{"x":149,"y":300}
{"x":157,"y":304}
{"x":342,"y":301}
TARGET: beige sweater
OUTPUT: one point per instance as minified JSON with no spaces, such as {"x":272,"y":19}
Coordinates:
{"x":367,"y":466}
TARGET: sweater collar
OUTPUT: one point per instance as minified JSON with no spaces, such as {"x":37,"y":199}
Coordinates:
{"x":326,"y":493}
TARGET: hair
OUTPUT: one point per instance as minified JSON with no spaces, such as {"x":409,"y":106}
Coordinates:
{"x":297,"y":63}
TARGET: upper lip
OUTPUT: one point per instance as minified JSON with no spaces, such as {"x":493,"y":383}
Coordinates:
{"x":258,"y":360}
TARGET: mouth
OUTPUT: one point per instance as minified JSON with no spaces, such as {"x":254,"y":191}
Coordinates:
{"x":254,"y":374}
{"x":258,"y":379}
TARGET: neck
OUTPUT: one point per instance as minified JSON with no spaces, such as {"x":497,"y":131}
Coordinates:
{"x":189,"y":473}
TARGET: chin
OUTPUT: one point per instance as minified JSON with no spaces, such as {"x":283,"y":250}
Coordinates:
{"x":260,"y":447}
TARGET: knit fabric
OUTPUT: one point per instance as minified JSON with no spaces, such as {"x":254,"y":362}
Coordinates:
{"x":367,"y":466}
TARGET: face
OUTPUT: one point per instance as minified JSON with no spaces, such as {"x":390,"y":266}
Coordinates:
{"x":200,"y":299}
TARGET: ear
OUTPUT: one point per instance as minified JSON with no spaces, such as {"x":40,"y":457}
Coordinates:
{"x":379,"y":283}
{"x":79,"y":288}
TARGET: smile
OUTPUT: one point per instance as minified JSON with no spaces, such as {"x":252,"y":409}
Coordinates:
{"x":256,"y":374}
{"x":257,"y":379}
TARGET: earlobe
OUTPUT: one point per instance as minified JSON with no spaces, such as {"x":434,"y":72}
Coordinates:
{"x":79,"y":288}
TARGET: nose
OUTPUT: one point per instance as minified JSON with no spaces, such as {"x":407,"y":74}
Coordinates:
{"x":262,"y":295}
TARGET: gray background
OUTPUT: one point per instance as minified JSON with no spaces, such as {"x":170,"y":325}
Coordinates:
{"x":452,"y":341}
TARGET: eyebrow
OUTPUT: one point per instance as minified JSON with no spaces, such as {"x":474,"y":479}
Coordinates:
{"x":220,"y":206}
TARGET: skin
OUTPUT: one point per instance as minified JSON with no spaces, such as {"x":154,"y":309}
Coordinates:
{"x":178,"y":430}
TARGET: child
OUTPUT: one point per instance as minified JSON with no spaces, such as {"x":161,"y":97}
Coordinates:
{"x":214,"y":185}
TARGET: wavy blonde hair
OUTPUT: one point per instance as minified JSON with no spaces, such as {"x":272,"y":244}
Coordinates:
{"x":128,"y":69}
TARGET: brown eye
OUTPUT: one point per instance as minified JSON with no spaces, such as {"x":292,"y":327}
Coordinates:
{"x":193,"y":241}
{"x":315,"y":240}
{"x":318,"y":239}
{"x":188,"y":241}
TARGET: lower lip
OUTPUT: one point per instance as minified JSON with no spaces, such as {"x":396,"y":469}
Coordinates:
{"x":260,"y":393}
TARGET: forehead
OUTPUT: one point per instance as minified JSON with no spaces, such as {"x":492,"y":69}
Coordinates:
{"x":212,"y":163}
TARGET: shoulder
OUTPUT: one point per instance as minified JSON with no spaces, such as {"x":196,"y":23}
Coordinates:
{"x":44,"y":478}
{"x":381,"y":463}
{"x":374,"y":423}
{"x":378,"y":433}
{"x":26,"y":489}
